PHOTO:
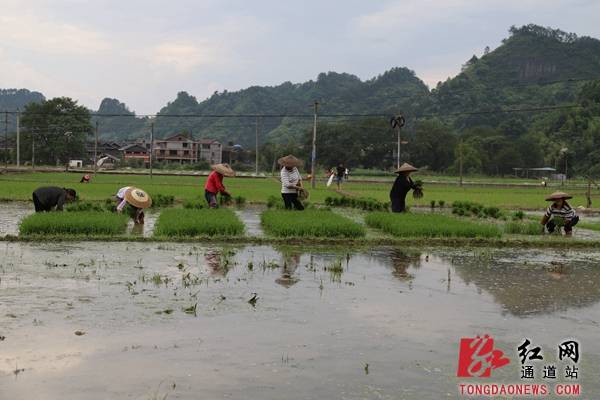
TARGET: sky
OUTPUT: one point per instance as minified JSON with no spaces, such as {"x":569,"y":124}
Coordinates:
{"x":143,"y":52}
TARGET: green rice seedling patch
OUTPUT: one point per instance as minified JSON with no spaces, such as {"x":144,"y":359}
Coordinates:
{"x":429,"y":225}
{"x":523,"y":228}
{"x":74,"y":223}
{"x":309,"y":223}
{"x":198,"y":222}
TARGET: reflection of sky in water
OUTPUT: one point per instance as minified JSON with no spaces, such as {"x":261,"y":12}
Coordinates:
{"x":309,"y":334}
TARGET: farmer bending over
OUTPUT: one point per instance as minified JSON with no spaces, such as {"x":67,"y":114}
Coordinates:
{"x":560,"y":213}
{"x":214,"y":184}
{"x":52,"y":197}
{"x":133,"y":201}
{"x":291,"y":183}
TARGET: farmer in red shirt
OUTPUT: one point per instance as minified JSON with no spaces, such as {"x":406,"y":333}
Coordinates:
{"x":214,"y":183}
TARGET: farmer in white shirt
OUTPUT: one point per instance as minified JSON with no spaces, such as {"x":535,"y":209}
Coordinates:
{"x":291,"y":182}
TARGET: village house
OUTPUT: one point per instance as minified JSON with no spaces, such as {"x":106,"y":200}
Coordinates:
{"x":135,"y":151}
{"x":210,"y":151}
{"x":178,"y":148}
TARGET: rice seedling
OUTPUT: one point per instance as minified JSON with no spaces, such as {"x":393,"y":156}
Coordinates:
{"x":309,"y":223}
{"x":363,"y":203}
{"x":523,"y":228}
{"x":84,"y":206}
{"x":429,"y":225}
{"x":74,"y":223}
{"x":193,"y":205}
{"x":162,"y":200}
{"x":194,"y":222}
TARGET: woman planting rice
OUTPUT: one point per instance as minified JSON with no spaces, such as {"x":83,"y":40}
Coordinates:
{"x":401,"y":187}
{"x":291,"y":182}
{"x":214,"y":184}
{"x":52,"y":198}
{"x":560,"y":213}
{"x":133,"y":201}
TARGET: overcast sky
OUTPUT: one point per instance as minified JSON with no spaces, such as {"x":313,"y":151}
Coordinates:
{"x":143,"y":51}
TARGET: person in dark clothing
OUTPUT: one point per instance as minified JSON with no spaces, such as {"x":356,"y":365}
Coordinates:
{"x":402,"y":186}
{"x":339,"y":176}
{"x":52,"y":197}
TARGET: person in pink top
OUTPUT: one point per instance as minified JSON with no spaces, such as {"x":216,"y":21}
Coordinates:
{"x":214,"y":184}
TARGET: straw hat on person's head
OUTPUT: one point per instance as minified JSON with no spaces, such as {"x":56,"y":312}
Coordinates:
{"x":138,"y":198}
{"x":223,"y":169}
{"x":558,"y":196}
{"x":290,"y":161}
{"x":406,"y":167}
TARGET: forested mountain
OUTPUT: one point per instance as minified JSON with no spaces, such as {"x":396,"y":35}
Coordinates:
{"x":15,"y":100}
{"x":539,"y":71}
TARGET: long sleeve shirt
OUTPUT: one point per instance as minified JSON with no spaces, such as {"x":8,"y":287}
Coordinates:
{"x":51,"y":196}
{"x":289,"y":178}
{"x":566,"y":211}
{"x":402,"y":186}
{"x":214,"y":183}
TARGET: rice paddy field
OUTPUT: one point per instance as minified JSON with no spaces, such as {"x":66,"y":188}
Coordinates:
{"x":310,"y":223}
{"x":178,"y":222}
{"x":19,"y":186}
{"x":430,"y":225}
{"x":74,"y":223}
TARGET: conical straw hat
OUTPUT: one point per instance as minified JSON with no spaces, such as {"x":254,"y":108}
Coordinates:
{"x":138,"y":198}
{"x":223,"y":169}
{"x":289,"y":161}
{"x":406,"y":167}
{"x":558,"y":195}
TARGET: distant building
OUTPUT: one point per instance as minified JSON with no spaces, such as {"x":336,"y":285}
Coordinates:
{"x":135,"y":152}
{"x":210,"y":150}
{"x":104,"y":149}
{"x":232,"y":153}
{"x":178,"y":148}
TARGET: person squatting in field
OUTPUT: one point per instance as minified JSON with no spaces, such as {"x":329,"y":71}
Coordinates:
{"x":133,"y":201}
{"x":560,"y":213}
{"x":214,"y":184}
{"x":50,"y":198}
{"x":291,"y":182}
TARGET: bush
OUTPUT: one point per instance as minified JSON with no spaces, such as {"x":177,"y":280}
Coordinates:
{"x":309,"y":223}
{"x":441,"y":203}
{"x":429,"y":225}
{"x":198,"y":222}
{"x":74,"y":223}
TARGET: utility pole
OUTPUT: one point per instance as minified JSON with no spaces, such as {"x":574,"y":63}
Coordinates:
{"x":313,"y":159}
{"x":6,"y":140}
{"x":96,"y":148}
{"x":18,"y":138}
{"x":32,"y":151}
{"x":256,"y":161}
{"x":398,"y":122}
{"x":151,"y":147}
{"x":460,"y":161}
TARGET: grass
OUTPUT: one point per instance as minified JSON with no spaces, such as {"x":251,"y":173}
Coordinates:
{"x":589,"y":225}
{"x":430,"y":225}
{"x":178,"y":222}
{"x":310,"y":223}
{"x":19,"y":186}
{"x":74,"y":223}
{"x":523,"y":228}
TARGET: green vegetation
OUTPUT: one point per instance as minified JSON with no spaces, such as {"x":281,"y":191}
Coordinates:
{"x":589,"y":225}
{"x":429,"y":225}
{"x":523,"y":228}
{"x":198,"y":222}
{"x":310,"y":223}
{"x":74,"y":223}
{"x":469,"y":208}
{"x":162,"y":200}
{"x":366,"y":204}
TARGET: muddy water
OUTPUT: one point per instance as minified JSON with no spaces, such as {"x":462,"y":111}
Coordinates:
{"x":11,"y":214}
{"x":309,"y":335}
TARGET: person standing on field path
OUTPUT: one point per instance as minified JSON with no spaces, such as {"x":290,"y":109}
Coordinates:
{"x":402,"y":185}
{"x":339,"y":177}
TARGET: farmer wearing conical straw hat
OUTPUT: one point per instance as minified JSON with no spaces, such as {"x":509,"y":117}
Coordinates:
{"x":560,"y":213}
{"x":214,"y":183}
{"x":291,"y":183}
{"x":402,"y":185}
{"x":133,"y":200}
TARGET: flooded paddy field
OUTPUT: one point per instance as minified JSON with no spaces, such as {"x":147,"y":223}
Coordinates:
{"x":186,"y":321}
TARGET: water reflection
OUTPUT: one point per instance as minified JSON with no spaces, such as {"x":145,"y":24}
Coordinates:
{"x":524,"y":289}
{"x":290,"y":261}
{"x":400,"y":261}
